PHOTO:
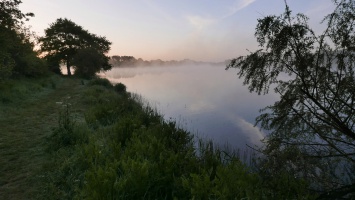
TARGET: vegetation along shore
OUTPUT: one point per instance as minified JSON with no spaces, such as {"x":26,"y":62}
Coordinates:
{"x":78,"y":136}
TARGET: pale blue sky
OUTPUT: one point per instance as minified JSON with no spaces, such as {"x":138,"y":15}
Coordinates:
{"x":206,"y":30}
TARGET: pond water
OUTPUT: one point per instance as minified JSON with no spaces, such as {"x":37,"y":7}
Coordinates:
{"x":207,"y":100}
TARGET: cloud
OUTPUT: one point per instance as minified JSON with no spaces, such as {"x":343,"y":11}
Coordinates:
{"x":202,"y":22}
{"x":238,"y":5}
{"x":199,"y":22}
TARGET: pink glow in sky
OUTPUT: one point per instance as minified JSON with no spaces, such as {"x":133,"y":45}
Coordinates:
{"x":205,"y":30}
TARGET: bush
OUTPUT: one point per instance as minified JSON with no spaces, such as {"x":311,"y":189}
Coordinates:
{"x":120,"y":88}
{"x":6,"y":65}
{"x":101,"y":81}
{"x":33,"y":66}
{"x":67,"y":133}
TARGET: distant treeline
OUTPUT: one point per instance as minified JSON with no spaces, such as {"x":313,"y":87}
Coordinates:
{"x":130,"y":61}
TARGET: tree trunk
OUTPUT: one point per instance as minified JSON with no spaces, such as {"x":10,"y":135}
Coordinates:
{"x":68,"y":68}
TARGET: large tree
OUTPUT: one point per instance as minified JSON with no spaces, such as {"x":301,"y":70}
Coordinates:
{"x":88,"y":62}
{"x":312,"y":126}
{"x":17,"y":56}
{"x":10,"y":15}
{"x":64,"y":39}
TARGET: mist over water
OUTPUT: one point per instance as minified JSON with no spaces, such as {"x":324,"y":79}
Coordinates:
{"x":207,"y":100}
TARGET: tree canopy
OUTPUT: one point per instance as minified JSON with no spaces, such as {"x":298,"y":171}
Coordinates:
{"x":63,"y":39}
{"x":88,"y":61}
{"x":17,"y":56}
{"x":312,"y":126}
{"x":10,"y":15}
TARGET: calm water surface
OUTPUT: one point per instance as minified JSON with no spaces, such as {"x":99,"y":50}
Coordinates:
{"x":206,"y":100}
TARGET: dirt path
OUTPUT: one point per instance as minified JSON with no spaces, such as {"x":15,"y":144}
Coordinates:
{"x":23,"y":132}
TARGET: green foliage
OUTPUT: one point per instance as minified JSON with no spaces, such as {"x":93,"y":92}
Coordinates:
{"x":120,"y":88}
{"x":64,"y":40}
{"x":6,"y":65}
{"x":17,"y":56}
{"x":101,"y":81}
{"x":88,"y":62}
{"x":313,"y":122}
{"x":53,"y":64}
{"x":14,"y":91}
{"x":62,"y":30}
{"x":11,"y":16}
{"x":67,"y":133}
{"x":30,"y":65}
{"x":233,"y":181}
{"x":103,"y":114}
{"x":127,"y":151}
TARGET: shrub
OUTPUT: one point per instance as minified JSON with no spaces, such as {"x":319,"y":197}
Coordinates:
{"x":33,"y":66}
{"x":6,"y":65}
{"x":68,"y":133}
{"x":120,"y":88}
{"x":101,"y":81}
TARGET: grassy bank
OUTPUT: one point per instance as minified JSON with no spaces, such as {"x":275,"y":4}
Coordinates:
{"x":79,"y":139}
{"x":28,"y":112}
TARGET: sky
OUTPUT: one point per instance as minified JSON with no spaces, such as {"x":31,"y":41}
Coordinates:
{"x":203,"y":30}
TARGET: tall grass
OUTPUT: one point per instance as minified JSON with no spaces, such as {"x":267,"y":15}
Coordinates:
{"x":13,"y":90}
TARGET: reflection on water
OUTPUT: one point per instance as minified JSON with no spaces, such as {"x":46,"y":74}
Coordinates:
{"x":206,"y":100}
